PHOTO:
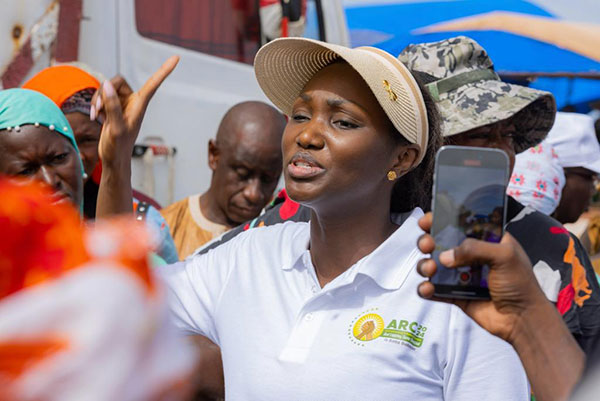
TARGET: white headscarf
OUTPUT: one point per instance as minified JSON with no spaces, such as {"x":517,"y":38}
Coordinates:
{"x":573,"y":136}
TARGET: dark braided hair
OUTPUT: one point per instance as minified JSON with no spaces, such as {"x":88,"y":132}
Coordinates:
{"x":414,"y":189}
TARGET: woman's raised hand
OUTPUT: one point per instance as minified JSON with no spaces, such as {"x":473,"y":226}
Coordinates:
{"x":123,"y":111}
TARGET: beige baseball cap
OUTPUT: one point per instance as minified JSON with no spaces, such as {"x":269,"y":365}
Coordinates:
{"x":284,"y":66}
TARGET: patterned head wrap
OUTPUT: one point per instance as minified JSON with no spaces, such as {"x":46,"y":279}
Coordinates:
{"x":538,"y":179}
{"x":80,"y":102}
{"x":70,"y":88}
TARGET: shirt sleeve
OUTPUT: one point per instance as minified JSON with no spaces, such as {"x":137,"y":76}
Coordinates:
{"x":194,"y":289}
{"x":579,"y":300}
{"x":166,"y":248}
{"x":282,"y":209}
{"x":480,"y":365}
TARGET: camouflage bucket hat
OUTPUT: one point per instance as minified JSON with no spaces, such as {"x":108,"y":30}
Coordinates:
{"x":469,"y":94}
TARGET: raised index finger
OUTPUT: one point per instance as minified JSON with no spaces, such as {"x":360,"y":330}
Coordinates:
{"x":152,"y":84}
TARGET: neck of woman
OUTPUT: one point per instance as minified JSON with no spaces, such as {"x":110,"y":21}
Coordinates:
{"x":339,"y":240}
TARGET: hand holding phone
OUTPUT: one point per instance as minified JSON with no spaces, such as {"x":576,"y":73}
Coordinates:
{"x":512,"y":285}
{"x":469,"y":201}
{"x":518,"y":311}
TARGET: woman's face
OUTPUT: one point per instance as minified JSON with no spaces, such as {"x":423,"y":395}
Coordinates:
{"x":87,"y":136}
{"x":338,"y":144}
{"x":38,"y":153}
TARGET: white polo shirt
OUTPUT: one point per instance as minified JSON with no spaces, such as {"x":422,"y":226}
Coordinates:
{"x":366,"y":335}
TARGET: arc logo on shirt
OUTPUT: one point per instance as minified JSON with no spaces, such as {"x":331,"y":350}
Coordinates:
{"x":370,"y":326}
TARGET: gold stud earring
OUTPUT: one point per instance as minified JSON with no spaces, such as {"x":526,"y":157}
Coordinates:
{"x":391,"y":175}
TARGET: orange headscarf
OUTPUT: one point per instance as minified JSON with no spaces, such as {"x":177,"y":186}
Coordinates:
{"x":60,"y":82}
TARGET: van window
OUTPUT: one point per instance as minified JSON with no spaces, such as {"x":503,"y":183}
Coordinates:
{"x":223,"y":28}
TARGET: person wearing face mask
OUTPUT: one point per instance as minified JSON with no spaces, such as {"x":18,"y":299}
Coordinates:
{"x":478,"y":109}
{"x":537,"y":179}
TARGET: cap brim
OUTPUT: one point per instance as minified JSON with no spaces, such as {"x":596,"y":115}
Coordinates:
{"x":284,"y":66}
{"x":595,"y":166}
{"x":486,"y":102}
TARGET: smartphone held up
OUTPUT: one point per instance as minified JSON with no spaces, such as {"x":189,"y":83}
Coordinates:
{"x":469,"y":201}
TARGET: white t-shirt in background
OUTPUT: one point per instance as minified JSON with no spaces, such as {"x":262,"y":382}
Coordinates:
{"x":366,"y":335}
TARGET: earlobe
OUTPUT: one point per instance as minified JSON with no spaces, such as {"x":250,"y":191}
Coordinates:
{"x":213,"y":154}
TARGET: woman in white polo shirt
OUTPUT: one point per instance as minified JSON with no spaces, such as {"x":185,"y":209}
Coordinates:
{"x":328,"y":310}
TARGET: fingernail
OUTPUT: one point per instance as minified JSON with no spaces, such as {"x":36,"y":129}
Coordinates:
{"x":109,"y":89}
{"x":98,"y":102}
{"x":92,"y":113}
{"x":447,"y":257}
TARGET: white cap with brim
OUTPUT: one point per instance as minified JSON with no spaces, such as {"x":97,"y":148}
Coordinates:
{"x":284,"y":66}
{"x":574,"y":139}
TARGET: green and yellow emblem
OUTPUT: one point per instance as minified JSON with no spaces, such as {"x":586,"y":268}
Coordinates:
{"x":368,"y":327}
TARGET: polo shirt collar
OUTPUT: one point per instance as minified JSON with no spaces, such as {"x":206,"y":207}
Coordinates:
{"x":389,"y":264}
{"x":300,"y":244}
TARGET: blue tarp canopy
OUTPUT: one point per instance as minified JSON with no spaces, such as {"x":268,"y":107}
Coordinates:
{"x":391,"y":27}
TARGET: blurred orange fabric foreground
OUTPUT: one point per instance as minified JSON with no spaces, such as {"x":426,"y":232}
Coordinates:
{"x":81,"y":316}
{"x":40,"y":241}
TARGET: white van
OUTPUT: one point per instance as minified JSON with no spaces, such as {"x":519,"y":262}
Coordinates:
{"x":216,"y":42}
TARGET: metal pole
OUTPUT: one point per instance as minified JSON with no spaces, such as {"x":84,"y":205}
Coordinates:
{"x":321,"y":20}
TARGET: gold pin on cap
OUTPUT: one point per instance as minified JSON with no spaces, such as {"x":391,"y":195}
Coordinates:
{"x":388,"y":89}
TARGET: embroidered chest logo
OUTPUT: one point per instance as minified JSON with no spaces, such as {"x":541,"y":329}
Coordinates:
{"x":370,"y":326}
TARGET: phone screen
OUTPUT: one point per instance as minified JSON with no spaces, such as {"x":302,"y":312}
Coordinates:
{"x":469,"y":202}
